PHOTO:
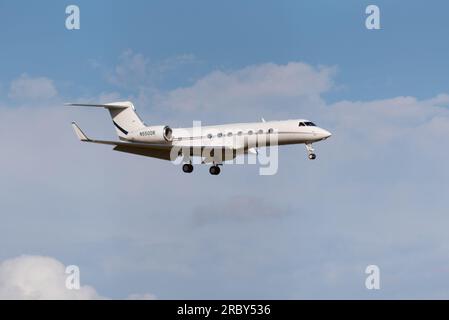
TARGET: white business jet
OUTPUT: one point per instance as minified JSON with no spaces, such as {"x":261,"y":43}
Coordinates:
{"x":214,"y":144}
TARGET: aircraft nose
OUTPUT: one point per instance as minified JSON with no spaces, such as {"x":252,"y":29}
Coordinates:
{"x":325,"y":134}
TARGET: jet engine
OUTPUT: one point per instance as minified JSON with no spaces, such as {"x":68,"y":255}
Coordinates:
{"x":158,"y":134}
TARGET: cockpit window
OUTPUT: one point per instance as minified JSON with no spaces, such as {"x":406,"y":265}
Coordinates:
{"x":307,"y":124}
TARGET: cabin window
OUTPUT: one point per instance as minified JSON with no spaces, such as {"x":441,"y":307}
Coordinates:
{"x":240,"y":133}
{"x":250,"y":132}
{"x":301,"y":124}
{"x":260,"y":131}
{"x":310,"y":124}
{"x":229,"y":134}
{"x":209,"y":136}
{"x":220,"y":135}
{"x":270,"y":130}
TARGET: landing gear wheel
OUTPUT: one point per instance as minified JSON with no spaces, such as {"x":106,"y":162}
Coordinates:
{"x":187,"y":168}
{"x":214,"y":170}
{"x":310,"y":151}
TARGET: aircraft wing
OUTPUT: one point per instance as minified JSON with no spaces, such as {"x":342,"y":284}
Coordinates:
{"x":80,"y":134}
{"x":159,"y":151}
{"x":147,"y":151}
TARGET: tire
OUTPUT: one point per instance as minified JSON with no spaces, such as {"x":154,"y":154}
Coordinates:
{"x":187,"y":168}
{"x":214,"y":170}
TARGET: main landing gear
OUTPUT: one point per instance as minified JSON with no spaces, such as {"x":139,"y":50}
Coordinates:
{"x":214,"y":170}
{"x":310,"y":151}
{"x":187,"y":168}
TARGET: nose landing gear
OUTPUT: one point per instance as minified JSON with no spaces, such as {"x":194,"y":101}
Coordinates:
{"x":310,"y":151}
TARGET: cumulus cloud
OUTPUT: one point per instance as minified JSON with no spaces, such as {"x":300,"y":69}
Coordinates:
{"x":266,"y":89}
{"x":29,"y":277}
{"x":389,"y":123}
{"x":376,"y":194}
{"x":27,"y":88}
{"x":264,"y":81}
{"x":38,"y":278}
{"x":269,"y":90}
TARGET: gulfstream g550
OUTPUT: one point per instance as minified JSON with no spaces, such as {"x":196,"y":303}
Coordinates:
{"x":213,"y":144}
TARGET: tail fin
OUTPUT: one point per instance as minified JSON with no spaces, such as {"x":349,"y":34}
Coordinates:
{"x":123,"y":114}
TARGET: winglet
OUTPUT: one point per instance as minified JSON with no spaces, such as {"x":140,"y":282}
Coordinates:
{"x":79,"y":133}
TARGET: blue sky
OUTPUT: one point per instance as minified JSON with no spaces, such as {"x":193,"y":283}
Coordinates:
{"x":407,"y":57}
{"x":376,"y":194}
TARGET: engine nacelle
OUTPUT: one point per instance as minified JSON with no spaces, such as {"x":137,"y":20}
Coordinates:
{"x":158,"y":134}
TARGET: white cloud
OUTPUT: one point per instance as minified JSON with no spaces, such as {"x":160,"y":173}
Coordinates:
{"x":393,"y":120}
{"x":259,"y":90}
{"x":38,"y":278}
{"x":26,"y":88}
{"x":375,"y":194}
{"x":29,"y":277}
{"x":251,"y":83}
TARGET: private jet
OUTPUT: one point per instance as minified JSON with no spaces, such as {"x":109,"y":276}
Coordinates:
{"x":213,"y":144}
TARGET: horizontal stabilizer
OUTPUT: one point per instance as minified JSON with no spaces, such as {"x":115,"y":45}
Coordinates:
{"x":107,"y":106}
{"x":123,"y":114}
{"x":111,"y":106}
